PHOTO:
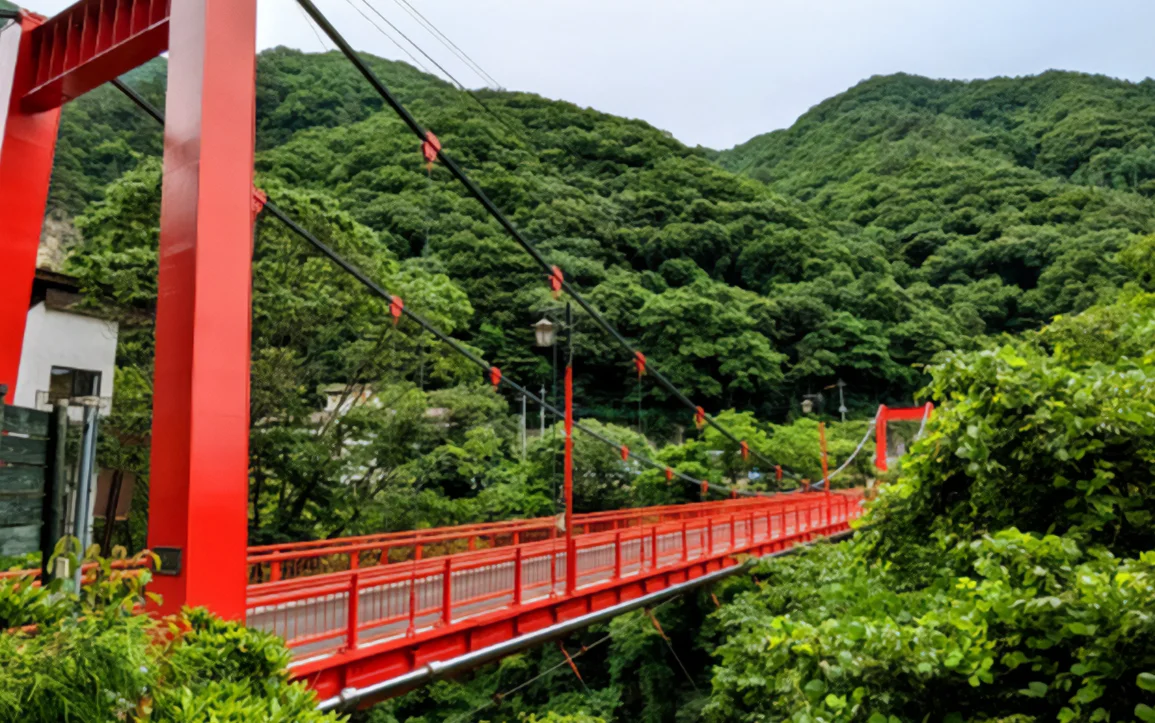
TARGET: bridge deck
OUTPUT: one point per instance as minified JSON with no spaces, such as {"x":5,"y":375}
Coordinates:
{"x":357,"y":611}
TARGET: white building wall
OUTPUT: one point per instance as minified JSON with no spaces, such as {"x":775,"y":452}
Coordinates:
{"x":63,"y":339}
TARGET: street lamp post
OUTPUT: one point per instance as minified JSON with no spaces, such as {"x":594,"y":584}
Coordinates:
{"x":545,"y":332}
{"x":570,"y":550}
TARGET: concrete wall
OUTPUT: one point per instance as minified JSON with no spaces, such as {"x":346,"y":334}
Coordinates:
{"x":63,"y":339}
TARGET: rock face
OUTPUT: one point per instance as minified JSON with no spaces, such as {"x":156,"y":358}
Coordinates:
{"x":57,"y":238}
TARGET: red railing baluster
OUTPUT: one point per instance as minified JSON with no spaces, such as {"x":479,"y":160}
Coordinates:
{"x":447,"y":591}
{"x":553,"y":570}
{"x":654,"y":547}
{"x":618,"y":555}
{"x":685,"y":543}
{"x":413,"y":599}
{"x":354,"y":614}
{"x":517,"y":576}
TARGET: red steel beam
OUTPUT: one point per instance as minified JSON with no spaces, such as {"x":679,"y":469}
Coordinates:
{"x":91,"y":43}
{"x":27,"y":146}
{"x":198,"y":496}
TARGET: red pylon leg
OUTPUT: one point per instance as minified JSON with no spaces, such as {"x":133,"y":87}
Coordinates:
{"x":28,"y":145}
{"x":198,"y":501}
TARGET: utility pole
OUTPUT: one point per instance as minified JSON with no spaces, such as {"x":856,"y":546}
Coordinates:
{"x":570,"y":550}
{"x":523,"y":425}
{"x":841,"y":401}
{"x":85,"y":469}
{"x":822,"y":445}
{"x":825,"y":468}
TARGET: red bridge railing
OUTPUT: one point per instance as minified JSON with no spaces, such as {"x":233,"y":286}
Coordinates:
{"x":483,"y":571}
{"x":284,"y":561}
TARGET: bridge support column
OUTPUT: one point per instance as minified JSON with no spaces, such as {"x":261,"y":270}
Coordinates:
{"x":198,"y":501}
{"x":880,"y":439}
{"x":27,"y":145}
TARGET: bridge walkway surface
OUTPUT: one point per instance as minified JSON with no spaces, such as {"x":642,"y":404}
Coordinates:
{"x":358,"y":611}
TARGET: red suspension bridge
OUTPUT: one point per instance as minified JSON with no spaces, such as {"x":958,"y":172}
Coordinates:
{"x":358,"y":626}
{"x":365,"y":616}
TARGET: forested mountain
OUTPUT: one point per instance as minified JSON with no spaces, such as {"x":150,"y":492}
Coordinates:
{"x":1010,"y":196}
{"x":1008,"y":571}
{"x":891,"y":223}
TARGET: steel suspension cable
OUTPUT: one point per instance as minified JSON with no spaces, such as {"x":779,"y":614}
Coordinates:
{"x":452,"y":343}
{"x":861,"y":444}
{"x":480,"y":195}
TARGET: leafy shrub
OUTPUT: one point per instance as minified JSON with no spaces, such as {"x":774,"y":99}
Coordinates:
{"x":1053,"y":433}
{"x":1007,"y":574}
{"x":96,"y":657}
{"x":1041,"y":628}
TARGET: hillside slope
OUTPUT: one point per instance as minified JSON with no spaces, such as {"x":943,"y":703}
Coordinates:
{"x":1026,"y":187}
{"x":883,"y":233}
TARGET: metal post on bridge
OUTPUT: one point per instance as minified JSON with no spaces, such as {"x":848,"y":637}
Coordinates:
{"x":570,"y":551}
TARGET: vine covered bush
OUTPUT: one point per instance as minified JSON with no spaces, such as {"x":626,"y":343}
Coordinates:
{"x":1008,"y":573}
{"x":1038,"y":627}
{"x":97,"y":657}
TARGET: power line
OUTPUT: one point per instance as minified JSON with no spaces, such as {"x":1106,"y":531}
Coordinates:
{"x":449,"y":44}
{"x":400,"y":47}
{"x":309,"y":22}
{"x":460,"y":86}
{"x":409,"y":40}
{"x":500,"y":217}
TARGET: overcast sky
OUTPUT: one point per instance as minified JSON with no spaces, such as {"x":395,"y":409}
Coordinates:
{"x":716,"y":72}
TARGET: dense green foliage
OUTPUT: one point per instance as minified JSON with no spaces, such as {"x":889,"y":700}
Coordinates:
{"x":914,"y":236}
{"x":1009,"y":571}
{"x":1009,"y":198}
{"x":907,"y":221}
{"x":95,"y":657}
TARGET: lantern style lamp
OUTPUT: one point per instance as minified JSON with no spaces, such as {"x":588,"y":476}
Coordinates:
{"x":546,"y":332}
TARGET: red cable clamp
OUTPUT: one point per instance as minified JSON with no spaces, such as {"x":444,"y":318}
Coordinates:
{"x":733,"y":494}
{"x":556,"y":278}
{"x":495,"y":377}
{"x":705,"y":489}
{"x":640,"y":363}
{"x":430,"y":148}
{"x":699,"y":417}
{"x":569,"y":660}
{"x":778,"y":472}
{"x":395,"y":307}
{"x":625,"y":453}
{"x":669,"y":476}
{"x":657,"y":625}
{"x":260,"y":198}
{"x":745,"y":451}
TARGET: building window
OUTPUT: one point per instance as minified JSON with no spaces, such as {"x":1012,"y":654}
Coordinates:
{"x":72,"y":383}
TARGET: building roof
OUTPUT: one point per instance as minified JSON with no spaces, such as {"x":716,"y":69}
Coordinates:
{"x":57,"y":290}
